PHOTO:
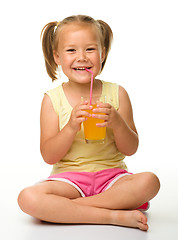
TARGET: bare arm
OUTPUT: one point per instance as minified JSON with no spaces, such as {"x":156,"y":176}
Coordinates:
{"x":54,"y":144}
{"x":121,"y":122}
{"x":125,"y":132}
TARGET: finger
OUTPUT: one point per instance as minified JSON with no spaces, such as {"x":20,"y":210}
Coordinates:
{"x":84,"y":102}
{"x":102,"y":110}
{"x":81,"y":119}
{"x":103,"y":105}
{"x":82,"y":114}
{"x":100,"y":116}
{"x":86,"y":107}
{"x":104,"y":124}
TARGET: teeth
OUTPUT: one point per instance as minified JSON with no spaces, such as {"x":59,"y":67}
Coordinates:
{"x":80,"y":68}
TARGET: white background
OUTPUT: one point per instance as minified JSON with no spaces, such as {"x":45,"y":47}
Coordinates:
{"x":143,"y":59}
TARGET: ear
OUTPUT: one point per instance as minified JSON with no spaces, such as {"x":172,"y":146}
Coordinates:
{"x":103,"y":55}
{"x":56,"y":57}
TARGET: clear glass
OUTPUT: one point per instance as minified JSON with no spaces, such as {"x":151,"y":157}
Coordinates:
{"x":94,"y":134}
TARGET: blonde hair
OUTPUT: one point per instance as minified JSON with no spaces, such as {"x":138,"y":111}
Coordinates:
{"x":50,"y":37}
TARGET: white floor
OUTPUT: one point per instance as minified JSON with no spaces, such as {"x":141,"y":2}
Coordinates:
{"x":162,"y":219}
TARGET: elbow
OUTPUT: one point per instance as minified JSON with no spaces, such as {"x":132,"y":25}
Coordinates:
{"x":131,"y":149}
{"x":130,"y":153}
{"x":127,"y":152}
{"x":51,"y":160}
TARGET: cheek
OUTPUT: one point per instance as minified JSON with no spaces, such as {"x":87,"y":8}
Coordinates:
{"x":99,"y":60}
{"x":65,"y":61}
{"x":96,"y":58}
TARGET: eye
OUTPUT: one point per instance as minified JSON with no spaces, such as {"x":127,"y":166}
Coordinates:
{"x":90,"y":49}
{"x":71,"y":50}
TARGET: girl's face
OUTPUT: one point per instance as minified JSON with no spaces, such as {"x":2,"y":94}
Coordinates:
{"x":79,"y":48}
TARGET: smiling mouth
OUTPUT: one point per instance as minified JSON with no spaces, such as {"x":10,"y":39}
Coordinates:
{"x":81,"y":68}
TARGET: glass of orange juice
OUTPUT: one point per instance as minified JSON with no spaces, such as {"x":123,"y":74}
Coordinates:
{"x":94,"y":134}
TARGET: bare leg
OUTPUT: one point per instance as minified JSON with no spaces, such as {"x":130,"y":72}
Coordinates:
{"x":129,"y":192}
{"x":43,"y":202}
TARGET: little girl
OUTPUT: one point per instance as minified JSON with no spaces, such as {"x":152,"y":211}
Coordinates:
{"x":89,"y":183}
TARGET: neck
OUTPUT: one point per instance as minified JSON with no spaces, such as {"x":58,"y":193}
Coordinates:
{"x":75,"y":91}
{"x":79,"y":89}
{"x":83,"y":89}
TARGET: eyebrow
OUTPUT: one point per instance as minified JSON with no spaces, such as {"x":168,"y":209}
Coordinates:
{"x":73,"y":45}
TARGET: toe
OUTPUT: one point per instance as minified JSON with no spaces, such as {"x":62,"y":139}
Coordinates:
{"x":142,"y":226}
{"x":141,"y":217}
{"x":142,"y":221}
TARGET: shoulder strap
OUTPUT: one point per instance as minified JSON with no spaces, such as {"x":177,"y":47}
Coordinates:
{"x":54,"y":95}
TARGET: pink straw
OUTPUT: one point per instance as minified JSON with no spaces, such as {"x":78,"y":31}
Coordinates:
{"x":91,"y":85}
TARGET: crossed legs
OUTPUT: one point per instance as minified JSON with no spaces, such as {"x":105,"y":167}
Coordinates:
{"x":127,"y":193}
{"x":60,"y":202}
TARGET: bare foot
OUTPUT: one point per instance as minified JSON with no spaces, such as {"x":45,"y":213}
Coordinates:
{"x":131,"y":218}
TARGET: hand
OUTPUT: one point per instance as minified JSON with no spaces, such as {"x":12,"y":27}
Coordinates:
{"x":79,"y":115}
{"x":110,"y":116}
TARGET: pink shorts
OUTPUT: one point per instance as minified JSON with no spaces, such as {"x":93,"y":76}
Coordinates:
{"x":91,"y":183}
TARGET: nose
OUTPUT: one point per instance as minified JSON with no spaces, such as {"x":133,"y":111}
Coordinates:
{"x":81,"y":56}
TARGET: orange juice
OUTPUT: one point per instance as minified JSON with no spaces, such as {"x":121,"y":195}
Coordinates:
{"x":94,"y":134}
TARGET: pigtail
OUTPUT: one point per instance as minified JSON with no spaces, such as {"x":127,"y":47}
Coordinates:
{"x":107,"y":35}
{"x":47,"y":35}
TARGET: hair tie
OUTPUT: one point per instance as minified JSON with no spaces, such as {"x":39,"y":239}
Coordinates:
{"x":55,"y":28}
{"x":57,"y":24}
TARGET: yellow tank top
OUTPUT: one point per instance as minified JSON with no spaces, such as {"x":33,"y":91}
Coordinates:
{"x":82,"y":156}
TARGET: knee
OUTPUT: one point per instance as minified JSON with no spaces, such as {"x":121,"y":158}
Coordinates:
{"x":27,"y":201}
{"x":151,"y":183}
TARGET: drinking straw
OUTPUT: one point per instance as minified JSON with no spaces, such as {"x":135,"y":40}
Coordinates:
{"x":91,"y":85}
